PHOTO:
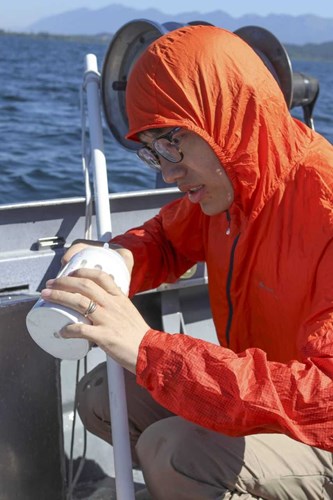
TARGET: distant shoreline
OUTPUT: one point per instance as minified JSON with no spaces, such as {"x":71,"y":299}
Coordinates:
{"x":309,"y":52}
{"x":101,"y":38}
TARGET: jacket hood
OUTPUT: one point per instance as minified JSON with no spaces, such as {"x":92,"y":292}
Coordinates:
{"x":209,"y":81}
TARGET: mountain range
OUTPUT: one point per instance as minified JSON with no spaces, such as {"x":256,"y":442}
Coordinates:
{"x":288,"y":29}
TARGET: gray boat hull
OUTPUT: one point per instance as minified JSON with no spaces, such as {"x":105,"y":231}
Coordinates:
{"x":36,"y":390}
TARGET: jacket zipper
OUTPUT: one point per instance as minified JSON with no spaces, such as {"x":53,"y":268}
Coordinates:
{"x":228,"y":287}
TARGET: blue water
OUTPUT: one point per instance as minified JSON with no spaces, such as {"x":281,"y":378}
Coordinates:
{"x":40,"y":122}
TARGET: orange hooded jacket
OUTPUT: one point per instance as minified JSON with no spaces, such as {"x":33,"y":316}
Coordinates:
{"x":271,"y":278}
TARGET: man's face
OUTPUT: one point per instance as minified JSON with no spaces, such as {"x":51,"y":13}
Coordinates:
{"x":199,"y":174}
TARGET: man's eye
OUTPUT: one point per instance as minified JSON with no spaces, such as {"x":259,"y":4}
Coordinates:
{"x":176,"y":140}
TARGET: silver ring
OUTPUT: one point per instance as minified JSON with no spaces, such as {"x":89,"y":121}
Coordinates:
{"x":90,"y":309}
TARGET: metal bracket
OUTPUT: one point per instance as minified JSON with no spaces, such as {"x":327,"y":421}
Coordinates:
{"x":50,"y":242}
{"x":172,"y":317}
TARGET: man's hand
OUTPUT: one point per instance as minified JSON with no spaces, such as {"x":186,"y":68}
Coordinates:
{"x":116,"y":325}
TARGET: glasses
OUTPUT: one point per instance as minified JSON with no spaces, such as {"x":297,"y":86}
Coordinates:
{"x":166,"y":146}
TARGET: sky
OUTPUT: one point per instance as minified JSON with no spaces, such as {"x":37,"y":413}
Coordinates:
{"x":18,"y":14}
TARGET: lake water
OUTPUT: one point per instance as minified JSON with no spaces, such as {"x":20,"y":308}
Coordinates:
{"x":40,"y":122}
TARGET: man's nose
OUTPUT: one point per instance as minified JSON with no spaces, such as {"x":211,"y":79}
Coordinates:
{"x":171,"y":172}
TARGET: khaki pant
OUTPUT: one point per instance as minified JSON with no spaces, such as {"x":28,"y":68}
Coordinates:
{"x":182,"y":461}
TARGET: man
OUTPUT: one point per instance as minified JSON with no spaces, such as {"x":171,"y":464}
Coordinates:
{"x":254,"y":417}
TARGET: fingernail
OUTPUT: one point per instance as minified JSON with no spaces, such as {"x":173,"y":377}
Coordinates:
{"x":49,"y":283}
{"x":46,"y":292}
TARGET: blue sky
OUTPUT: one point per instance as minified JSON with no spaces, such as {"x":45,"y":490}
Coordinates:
{"x":17,"y":14}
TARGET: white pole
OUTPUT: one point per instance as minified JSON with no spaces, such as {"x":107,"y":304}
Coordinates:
{"x":118,"y":406}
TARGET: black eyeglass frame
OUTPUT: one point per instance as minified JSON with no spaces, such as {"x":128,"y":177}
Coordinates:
{"x":155,"y":162}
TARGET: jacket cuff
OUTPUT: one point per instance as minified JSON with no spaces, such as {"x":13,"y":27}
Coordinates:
{"x":147,"y":345}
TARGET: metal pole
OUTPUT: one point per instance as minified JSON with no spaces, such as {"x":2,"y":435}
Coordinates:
{"x":118,"y":406}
